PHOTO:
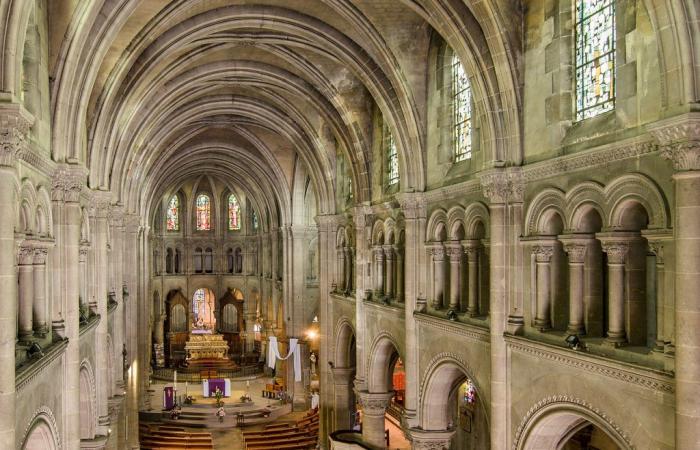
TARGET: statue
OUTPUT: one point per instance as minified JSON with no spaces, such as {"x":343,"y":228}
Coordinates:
{"x":313,"y":358}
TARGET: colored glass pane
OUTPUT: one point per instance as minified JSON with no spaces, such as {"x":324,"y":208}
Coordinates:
{"x":173,"y":214}
{"x":595,"y":57}
{"x":203,"y":212}
{"x":255,"y":221}
{"x":392,"y":159}
{"x":462,"y":111}
{"x":234,"y":213}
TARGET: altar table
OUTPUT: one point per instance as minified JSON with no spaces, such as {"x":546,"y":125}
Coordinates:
{"x":209,"y":386}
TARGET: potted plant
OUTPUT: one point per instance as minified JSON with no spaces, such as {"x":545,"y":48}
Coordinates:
{"x":219,"y":395}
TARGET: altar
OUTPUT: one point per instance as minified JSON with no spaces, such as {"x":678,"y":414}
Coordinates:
{"x":206,"y":346}
{"x":210,"y":386}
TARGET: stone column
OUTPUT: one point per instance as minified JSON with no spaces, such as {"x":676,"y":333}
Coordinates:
{"x":454,"y":254}
{"x":350,"y":275}
{"x":543,"y":254}
{"x":82,"y":265}
{"x":379,"y":271}
{"x":41,"y":328}
{"x":577,"y":255}
{"x":344,"y":401}
{"x":363,"y":219}
{"x":431,"y":440}
{"x":14,"y":126}
{"x":413,"y":206}
{"x":101,"y":211}
{"x":68,"y":182}
{"x":472,"y":306}
{"x":617,"y":254}
{"x":342,"y":269}
{"x":504,"y":189}
{"x":26,"y":293}
{"x":680,"y":142}
{"x":373,"y":421}
{"x":399,"y":274}
{"x":117,"y":215}
{"x":389,"y":257}
{"x":657,"y":248}
{"x":438,"y":254}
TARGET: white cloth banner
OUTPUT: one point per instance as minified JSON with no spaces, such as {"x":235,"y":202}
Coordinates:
{"x":273,"y":354}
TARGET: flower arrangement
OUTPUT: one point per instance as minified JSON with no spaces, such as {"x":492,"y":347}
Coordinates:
{"x":219,"y":395}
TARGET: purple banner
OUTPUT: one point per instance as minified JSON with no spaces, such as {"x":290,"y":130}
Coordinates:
{"x":168,"y":397}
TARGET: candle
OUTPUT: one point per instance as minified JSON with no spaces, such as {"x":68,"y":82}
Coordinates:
{"x":175,"y":380}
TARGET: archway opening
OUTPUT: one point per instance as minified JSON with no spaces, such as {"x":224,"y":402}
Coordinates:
{"x":571,"y":430}
{"x":203,"y":307}
{"x":87,"y":419}
{"x":40,"y":437}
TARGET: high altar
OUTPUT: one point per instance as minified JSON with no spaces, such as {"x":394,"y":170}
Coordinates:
{"x":206,"y":346}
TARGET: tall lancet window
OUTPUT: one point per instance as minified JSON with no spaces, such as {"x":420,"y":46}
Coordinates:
{"x":256,"y":224}
{"x":173,"y":214}
{"x":203,"y":212}
{"x":392,"y":157}
{"x":234,"y":213}
{"x":462,"y":111}
{"x":595,"y":57}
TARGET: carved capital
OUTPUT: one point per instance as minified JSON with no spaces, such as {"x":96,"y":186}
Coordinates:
{"x":657,"y":248}
{"x":431,"y":440}
{"x":503,"y":185}
{"x":576,"y":252}
{"x":679,"y":140}
{"x":378,"y":253}
{"x":413,"y":205}
{"x":25,"y":255}
{"x":40,"y":254}
{"x":454,"y":251}
{"x":374,"y":404}
{"x":438,"y":252}
{"x":617,"y":251}
{"x":82,"y":253}
{"x":329,"y":222}
{"x":543,"y":253}
{"x":101,"y":204}
{"x":68,"y":182}
{"x":388,"y":252}
{"x":15,"y":123}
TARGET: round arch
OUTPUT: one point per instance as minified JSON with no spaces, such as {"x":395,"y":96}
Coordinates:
{"x":383,"y":354}
{"x":553,"y":420}
{"x":344,"y":342}
{"x":88,"y":407}
{"x":42,"y":432}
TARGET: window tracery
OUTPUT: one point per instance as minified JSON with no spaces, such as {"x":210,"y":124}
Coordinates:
{"x":462,"y":111}
{"x":595,"y":57}
{"x":203,"y":213}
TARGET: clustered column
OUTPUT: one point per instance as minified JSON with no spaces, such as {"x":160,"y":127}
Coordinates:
{"x":399,"y":273}
{"x":379,"y":272}
{"x":454,"y":253}
{"x":349,"y":255}
{"x":389,"y":257}
{"x":41,"y":328}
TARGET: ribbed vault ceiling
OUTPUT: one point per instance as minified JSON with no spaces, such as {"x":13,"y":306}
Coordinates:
{"x":165,"y":90}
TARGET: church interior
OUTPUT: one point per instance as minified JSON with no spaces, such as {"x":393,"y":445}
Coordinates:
{"x":350,"y":224}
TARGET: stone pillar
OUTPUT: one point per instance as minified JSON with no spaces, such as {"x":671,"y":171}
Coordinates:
{"x":379,"y":271}
{"x":373,"y":421}
{"x":617,"y":254}
{"x":389,"y":257}
{"x":350,"y":275}
{"x":577,"y":256}
{"x":680,"y":142}
{"x":430,"y":440}
{"x":543,"y":254}
{"x":504,"y":189}
{"x":117,"y":234}
{"x":68,"y":182}
{"x":26,"y":293}
{"x":363,"y":219}
{"x":438,"y":254}
{"x":472,"y":251}
{"x":657,"y":248}
{"x":101,"y":210}
{"x":399,"y":274}
{"x":344,"y":400}
{"x":41,"y":328}
{"x":454,"y":254}
{"x":342,"y":269}
{"x":413,"y":206}
{"x":82,"y":265}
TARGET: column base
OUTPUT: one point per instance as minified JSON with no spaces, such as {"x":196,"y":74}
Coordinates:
{"x":576,"y":329}
{"x":514,"y":326}
{"x":658,"y":346}
{"x":543,"y":325}
{"x":431,"y":440}
{"x":26,"y":338}
{"x":615,"y":340}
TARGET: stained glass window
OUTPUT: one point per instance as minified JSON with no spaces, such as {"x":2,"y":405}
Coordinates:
{"x":203,"y":212}
{"x":595,"y":57}
{"x":234,"y":213}
{"x":462,"y":111}
{"x":392,"y":159}
{"x":173,"y":215}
